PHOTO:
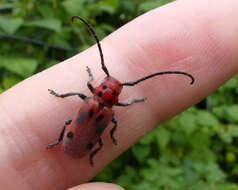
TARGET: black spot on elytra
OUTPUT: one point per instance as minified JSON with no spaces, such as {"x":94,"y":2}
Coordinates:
{"x":100,"y":93}
{"x":111,"y":100}
{"x":90,"y":113}
{"x":114,"y":93}
{"x":99,"y":118}
{"x":104,"y":87}
{"x":101,"y":128}
{"x":80,"y":118}
{"x":70,"y":134}
{"x":90,"y":145}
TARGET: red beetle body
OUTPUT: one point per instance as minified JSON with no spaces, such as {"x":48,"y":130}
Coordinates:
{"x":82,"y":133}
{"x":86,"y":128}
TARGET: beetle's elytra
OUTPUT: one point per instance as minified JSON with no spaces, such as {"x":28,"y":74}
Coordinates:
{"x":82,"y":133}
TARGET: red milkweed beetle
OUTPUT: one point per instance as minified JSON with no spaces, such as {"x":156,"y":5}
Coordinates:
{"x":85,"y":130}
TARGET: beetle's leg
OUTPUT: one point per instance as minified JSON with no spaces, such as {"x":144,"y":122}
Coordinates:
{"x":113,"y":130}
{"x":61,"y":135}
{"x":100,"y":142}
{"x":68,"y":94}
{"x":90,"y":86}
{"x":131,"y":102}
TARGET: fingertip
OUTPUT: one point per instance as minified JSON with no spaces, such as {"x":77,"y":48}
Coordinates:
{"x":97,"y":186}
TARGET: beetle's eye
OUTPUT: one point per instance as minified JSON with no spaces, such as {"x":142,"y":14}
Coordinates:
{"x":99,"y":118}
{"x":110,"y":100}
{"x":90,"y":113}
{"x":100,"y":93}
{"x":70,"y":134}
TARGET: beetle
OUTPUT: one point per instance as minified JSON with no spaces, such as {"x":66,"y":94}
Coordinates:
{"x":81,"y":134}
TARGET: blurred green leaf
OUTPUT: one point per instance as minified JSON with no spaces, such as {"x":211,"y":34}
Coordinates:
{"x":46,"y":11}
{"x":230,"y":157}
{"x":163,"y":137}
{"x":22,"y":66}
{"x":128,"y":6}
{"x":232,"y":113}
{"x":234,"y":130}
{"x":74,"y":7}
{"x":148,"y":139}
{"x":10,"y":81}
{"x":51,"y":24}
{"x":109,"y":6}
{"x":5,"y":5}
{"x":205,"y":118}
{"x":188,"y":123}
{"x":235,"y":169}
{"x":1,"y":90}
{"x":232,"y":83}
{"x":215,"y":175}
{"x":146,"y":6}
{"x":141,"y":151}
{"x":10,"y":25}
{"x":219,"y":111}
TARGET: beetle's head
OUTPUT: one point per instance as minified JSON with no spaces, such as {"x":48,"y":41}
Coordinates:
{"x":107,"y":93}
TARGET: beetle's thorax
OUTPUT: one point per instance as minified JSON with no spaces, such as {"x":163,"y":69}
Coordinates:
{"x":107,"y":93}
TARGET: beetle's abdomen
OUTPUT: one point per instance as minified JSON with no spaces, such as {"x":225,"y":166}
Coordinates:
{"x":86,"y":128}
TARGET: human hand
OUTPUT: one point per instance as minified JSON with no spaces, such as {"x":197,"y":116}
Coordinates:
{"x":198,"y":37}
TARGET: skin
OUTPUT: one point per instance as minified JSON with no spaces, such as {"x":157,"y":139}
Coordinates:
{"x":198,"y":37}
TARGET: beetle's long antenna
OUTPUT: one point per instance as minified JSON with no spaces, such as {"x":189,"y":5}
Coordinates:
{"x":156,"y":74}
{"x":104,"y":68}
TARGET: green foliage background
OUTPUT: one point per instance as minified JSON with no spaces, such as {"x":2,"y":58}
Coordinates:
{"x":196,"y":150}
